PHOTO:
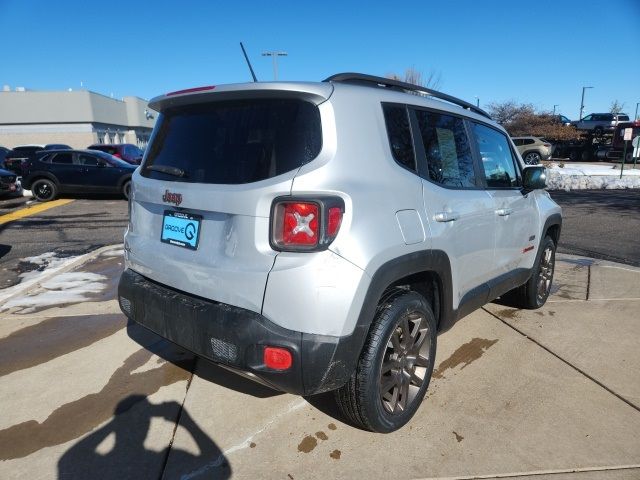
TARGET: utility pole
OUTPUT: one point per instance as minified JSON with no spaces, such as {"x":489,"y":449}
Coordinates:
{"x":274,"y":56}
{"x":554,"y":109}
{"x":635,"y":117}
{"x":477,"y":101}
{"x":582,"y":102}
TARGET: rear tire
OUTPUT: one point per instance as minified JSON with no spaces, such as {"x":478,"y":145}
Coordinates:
{"x":532,"y":158}
{"x":535,"y":292}
{"x":395,"y":366}
{"x":44,"y":190}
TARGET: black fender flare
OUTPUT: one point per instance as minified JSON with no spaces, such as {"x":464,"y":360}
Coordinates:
{"x":552,"y":221}
{"x":343,"y":355}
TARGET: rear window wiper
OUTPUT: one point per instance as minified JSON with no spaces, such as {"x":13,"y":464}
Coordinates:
{"x":175,"y":171}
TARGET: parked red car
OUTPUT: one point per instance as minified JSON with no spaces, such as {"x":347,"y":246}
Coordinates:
{"x":125,"y":151}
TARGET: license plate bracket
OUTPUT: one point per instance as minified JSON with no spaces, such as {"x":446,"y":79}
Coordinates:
{"x":181,"y":229}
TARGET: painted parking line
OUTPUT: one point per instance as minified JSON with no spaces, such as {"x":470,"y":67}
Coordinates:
{"x":32,"y":210}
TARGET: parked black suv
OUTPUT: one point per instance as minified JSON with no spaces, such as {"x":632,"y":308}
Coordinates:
{"x":76,"y":171}
{"x":18,"y":155}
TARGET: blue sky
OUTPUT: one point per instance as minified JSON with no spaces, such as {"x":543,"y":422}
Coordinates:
{"x":538,"y":51}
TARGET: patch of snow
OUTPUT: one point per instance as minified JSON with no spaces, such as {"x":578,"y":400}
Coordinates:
{"x":71,"y":287}
{"x":48,"y":263}
{"x":27,"y":193}
{"x":114,"y":253}
{"x":577,"y":176}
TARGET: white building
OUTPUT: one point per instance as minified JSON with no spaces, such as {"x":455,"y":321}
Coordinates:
{"x":76,"y":118}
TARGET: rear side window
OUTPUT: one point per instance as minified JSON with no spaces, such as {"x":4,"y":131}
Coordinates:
{"x":62,"y":158}
{"x":623,"y":118}
{"x":235,"y":142}
{"x":497,"y":159}
{"x":397,"y":122}
{"x":447,"y":149}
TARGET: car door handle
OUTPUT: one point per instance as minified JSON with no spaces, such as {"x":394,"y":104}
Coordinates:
{"x":446,"y":216}
{"x":504,"y":212}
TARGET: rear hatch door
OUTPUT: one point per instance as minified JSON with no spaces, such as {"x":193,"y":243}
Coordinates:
{"x":202,"y":198}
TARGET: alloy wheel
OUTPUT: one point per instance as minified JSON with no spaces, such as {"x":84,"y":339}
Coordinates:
{"x":545,"y":274}
{"x":405,"y":363}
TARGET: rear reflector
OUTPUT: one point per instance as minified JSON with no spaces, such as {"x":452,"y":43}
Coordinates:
{"x":277,"y":358}
{"x":191,"y":90}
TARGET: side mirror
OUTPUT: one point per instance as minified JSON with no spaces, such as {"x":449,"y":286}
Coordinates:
{"x":535,"y":177}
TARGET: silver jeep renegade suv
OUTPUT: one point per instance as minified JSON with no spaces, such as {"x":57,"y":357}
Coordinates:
{"x":317,"y":236}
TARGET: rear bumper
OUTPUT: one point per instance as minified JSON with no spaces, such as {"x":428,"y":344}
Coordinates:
{"x":235,"y":337}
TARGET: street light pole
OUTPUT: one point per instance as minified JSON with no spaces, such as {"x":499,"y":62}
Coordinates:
{"x":477,"y":101}
{"x":635,"y":117}
{"x":274,"y":56}
{"x":582,"y":102}
{"x":554,"y":109}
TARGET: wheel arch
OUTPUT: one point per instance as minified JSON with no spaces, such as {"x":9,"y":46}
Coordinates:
{"x":124,"y":179}
{"x":28,"y":182}
{"x":552,"y":227}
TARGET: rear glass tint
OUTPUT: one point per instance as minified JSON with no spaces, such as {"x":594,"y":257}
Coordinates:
{"x":235,"y":142}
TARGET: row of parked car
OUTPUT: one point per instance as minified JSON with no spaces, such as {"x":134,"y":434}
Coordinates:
{"x":48,"y":170}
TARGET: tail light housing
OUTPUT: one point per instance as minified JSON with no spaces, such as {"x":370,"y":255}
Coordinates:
{"x":305,"y":224}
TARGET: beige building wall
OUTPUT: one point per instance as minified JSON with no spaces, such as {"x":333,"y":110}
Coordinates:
{"x":76,"y":118}
{"x":74,"y":140}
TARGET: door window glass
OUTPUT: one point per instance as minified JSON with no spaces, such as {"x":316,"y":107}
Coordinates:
{"x":447,"y":149}
{"x":87,"y":160}
{"x":497,"y":159}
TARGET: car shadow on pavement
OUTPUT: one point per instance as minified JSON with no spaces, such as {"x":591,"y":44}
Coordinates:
{"x":118,"y":450}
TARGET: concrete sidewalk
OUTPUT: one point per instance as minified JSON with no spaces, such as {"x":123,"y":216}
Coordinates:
{"x":553,"y":394}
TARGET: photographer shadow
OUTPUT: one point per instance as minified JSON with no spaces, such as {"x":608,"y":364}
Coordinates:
{"x":120,"y":449}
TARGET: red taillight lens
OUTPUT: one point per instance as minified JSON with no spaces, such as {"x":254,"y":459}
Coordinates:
{"x":335,"y":219}
{"x":277,"y":358}
{"x":300,"y":226}
{"x":305,"y":225}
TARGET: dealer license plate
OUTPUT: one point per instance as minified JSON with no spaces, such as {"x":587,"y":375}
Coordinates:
{"x":181,"y":229}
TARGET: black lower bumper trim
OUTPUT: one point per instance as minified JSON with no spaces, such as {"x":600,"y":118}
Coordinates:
{"x":236,"y":337}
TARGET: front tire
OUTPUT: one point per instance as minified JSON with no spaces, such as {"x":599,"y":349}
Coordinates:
{"x":44,"y":190}
{"x":395,"y":366}
{"x":535,"y":292}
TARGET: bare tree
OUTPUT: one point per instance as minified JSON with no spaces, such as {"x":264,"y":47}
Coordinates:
{"x":433,"y":79}
{"x":616,"y":107}
{"x":521,"y":119}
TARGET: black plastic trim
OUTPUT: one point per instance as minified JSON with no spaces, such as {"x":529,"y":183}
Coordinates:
{"x":373,"y":81}
{"x":319,"y":362}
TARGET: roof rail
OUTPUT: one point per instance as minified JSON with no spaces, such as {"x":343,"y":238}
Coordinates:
{"x":371,"y":80}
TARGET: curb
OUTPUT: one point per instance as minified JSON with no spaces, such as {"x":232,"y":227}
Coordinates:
{"x":82,"y":259}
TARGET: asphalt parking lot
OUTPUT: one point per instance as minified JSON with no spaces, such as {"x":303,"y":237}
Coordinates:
{"x":549,"y":394}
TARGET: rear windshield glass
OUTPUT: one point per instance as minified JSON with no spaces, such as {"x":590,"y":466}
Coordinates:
{"x":234,"y":142}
